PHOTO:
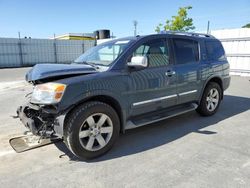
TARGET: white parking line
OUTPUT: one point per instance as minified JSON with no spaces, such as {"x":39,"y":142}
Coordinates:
{"x":3,"y":153}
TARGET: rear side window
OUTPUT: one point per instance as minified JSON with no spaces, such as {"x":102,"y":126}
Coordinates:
{"x":215,"y":51}
{"x":186,"y":51}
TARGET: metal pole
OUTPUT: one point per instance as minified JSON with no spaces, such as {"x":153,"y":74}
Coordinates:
{"x":208,"y":24}
{"x":20,"y":49}
{"x":83,"y":46}
{"x":55,"y":51}
{"x":135,"y":27}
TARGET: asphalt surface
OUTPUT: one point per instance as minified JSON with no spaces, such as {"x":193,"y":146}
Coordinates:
{"x":12,"y":74}
{"x":185,"y":151}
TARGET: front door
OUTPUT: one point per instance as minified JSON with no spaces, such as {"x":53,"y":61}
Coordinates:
{"x":154,"y":87}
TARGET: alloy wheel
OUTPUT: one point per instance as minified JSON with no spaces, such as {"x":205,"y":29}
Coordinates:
{"x":95,"y":132}
{"x":212,"y":99}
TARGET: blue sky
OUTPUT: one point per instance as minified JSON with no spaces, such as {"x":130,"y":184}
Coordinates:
{"x":41,"y":19}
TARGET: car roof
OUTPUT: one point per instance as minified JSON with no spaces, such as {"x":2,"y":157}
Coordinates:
{"x":171,"y":33}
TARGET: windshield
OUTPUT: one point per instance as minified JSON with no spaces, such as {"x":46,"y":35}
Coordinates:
{"x":103,"y":54}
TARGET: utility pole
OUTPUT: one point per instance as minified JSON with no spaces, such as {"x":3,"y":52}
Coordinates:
{"x":55,"y":49}
{"x":20,"y":49}
{"x":208,"y":24}
{"x":135,"y":27}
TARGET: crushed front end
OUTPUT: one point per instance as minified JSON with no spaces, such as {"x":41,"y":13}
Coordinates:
{"x":42,"y":121}
{"x":40,"y":114}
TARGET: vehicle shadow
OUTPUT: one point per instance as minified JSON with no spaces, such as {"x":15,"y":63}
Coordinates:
{"x":164,"y":132}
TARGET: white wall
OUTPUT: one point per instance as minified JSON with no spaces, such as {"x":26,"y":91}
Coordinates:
{"x":236,"y":43}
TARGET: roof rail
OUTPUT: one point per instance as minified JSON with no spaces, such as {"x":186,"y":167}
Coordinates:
{"x":187,"y":33}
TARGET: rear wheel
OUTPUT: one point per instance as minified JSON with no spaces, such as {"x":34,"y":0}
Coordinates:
{"x":91,"y":130}
{"x":211,"y":99}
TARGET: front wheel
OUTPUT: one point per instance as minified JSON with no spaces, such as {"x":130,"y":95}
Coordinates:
{"x":91,"y":130}
{"x":211,"y":99}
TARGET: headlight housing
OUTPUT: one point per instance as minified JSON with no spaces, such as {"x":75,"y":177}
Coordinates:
{"x":48,"y":93}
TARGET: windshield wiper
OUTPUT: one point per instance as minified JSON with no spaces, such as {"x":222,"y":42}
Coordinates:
{"x":86,"y":63}
{"x":94,"y":65}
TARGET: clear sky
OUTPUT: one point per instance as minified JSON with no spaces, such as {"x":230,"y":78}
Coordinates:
{"x":43,"y":18}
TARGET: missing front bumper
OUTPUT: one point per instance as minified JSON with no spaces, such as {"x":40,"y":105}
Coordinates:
{"x":39,"y":122}
{"x":28,"y":122}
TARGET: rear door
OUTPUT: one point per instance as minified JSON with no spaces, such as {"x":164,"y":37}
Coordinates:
{"x":188,"y":68}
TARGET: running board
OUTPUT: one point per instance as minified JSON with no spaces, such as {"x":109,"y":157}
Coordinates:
{"x":159,"y":115}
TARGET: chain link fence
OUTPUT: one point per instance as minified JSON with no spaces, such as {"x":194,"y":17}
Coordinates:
{"x":27,"y":52}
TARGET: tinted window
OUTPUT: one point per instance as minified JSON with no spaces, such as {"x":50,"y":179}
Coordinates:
{"x":215,"y":51}
{"x":186,"y":51}
{"x":156,"y":52}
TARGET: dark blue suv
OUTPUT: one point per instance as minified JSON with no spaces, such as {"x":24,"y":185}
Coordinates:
{"x":123,"y":84}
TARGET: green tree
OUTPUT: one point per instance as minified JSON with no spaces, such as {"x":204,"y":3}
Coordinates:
{"x":246,"y":26}
{"x":178,"y":23}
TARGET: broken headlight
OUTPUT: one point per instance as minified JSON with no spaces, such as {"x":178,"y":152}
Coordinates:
{"x":48,"y":93}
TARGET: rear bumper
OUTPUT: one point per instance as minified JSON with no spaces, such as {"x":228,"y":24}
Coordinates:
{"x":226,"y":82}
{"x":40,"y":122}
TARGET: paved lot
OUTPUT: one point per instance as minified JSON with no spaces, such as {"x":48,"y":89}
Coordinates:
{"x":187,"y":151}
{"x":12,"y":74}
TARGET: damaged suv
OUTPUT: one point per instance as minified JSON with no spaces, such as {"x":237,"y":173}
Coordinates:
{"x":124,"y":84}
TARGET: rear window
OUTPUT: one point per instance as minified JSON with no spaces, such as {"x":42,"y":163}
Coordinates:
{"x":186,"y":51}
{"x":215,"y":51}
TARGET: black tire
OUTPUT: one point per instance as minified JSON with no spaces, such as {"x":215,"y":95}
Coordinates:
{"x":74,"y":125}
{"x":203,"y":106}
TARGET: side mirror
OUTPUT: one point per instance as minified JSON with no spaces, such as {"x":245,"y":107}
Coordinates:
{"x":139,"y":62}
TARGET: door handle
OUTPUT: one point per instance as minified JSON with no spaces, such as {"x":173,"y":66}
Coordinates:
{"x":170,"y":73}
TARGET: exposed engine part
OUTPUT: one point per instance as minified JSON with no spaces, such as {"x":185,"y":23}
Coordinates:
{"x":36,"y":121}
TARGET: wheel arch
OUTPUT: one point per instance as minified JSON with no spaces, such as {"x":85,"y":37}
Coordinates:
{"x":216,"y":79}
{"x":101,"y":98}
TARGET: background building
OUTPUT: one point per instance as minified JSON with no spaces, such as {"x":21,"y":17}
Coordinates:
{"x":76,"y":36}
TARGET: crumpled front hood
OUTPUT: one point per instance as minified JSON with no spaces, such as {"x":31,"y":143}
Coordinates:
{"x":44,"y":71}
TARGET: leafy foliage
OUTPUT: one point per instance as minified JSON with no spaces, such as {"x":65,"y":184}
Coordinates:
{"x":178,"y":23}
{"x":246,"y":26}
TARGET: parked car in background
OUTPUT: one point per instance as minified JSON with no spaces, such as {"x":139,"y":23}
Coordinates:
{"x":124,"y":84}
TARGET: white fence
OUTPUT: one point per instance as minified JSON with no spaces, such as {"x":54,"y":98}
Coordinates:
{"x":238,"y":54}
{"x":27,"y":52}
{"x":236,"y":43}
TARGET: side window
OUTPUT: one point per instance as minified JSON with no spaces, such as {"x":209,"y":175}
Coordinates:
{"x":215,"y":51}
{"x":156,"y":52}
{"x":186,"y":51}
